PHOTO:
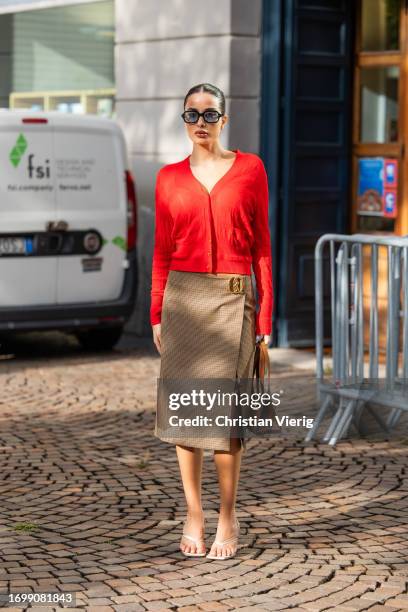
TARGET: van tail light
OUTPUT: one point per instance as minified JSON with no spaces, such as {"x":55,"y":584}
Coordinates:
{"x":131,"y":211}
{"x":34,"y":120}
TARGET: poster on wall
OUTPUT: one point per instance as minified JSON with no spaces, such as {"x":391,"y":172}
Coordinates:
{"x":377,"y":186}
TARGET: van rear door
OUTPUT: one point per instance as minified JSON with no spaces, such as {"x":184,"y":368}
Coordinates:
{"x":91,"y":201}
{"x":27,"y":204}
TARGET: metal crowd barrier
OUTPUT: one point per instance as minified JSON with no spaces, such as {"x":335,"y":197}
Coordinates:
{"x":355,"y":385}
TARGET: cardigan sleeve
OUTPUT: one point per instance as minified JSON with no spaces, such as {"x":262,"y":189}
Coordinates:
{"x":162,"y":250}
{"x":262,"y":254}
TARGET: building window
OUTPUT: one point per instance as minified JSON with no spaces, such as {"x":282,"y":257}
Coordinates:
{"x":60,"y":58}
{"x":380,"y":25}
{"x":379,"y":104}
{"x":379,"y":130}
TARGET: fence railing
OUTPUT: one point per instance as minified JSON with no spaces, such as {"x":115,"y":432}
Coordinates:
{"x":358,"y":381}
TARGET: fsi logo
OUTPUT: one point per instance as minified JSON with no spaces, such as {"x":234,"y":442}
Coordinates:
{"x":34,"y":171}
{"x":18,"y":150}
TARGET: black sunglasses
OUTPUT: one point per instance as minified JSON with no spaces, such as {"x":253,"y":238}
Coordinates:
{"x":209,"y":116}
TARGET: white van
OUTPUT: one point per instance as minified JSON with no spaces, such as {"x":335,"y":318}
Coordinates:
{"x":68,"y":226}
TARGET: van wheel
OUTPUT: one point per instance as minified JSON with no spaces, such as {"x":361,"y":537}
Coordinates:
{"x":99,"y":339}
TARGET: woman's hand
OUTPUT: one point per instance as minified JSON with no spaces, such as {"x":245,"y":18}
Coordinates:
{"x":266,"y":337}
{"x":157,"y":336}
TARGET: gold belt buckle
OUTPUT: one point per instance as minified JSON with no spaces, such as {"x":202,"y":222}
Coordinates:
{"x":236,"y":284}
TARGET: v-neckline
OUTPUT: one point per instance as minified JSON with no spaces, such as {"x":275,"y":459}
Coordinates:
{"x":209,"y":193}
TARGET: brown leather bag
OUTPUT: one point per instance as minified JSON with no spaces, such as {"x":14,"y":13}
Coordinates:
{"x":261,"y":363}
{"x":262,"y":367}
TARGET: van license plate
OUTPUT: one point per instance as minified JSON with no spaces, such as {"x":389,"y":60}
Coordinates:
{"x":16,"y":246}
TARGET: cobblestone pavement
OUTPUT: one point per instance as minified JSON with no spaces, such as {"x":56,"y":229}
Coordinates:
{"x":101,"y":502}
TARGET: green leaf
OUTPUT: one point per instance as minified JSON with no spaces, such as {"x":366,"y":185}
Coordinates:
{"x":15,"y":156}
{"x":120,"y":242}
{"x":21,"y":144}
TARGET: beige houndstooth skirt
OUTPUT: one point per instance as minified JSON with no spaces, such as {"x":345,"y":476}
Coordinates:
{"x":207,"y":331}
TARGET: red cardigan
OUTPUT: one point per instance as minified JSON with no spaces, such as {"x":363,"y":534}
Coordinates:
{"x":225,"y":230}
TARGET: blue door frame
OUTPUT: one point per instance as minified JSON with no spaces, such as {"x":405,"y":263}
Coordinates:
{"x":269,"y":129}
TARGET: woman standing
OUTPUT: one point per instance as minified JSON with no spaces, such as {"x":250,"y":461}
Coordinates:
{"x":211,"y":225}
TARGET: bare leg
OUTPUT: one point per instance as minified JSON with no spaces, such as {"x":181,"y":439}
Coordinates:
{"x":228,"y":465}
{"x":190,"y":462}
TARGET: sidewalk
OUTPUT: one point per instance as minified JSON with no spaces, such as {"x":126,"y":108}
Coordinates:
{"x":302,"y":359}
{"x":102,"y":506}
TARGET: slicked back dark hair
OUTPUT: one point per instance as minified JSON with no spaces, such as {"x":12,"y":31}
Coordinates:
{"x":208,"y":88}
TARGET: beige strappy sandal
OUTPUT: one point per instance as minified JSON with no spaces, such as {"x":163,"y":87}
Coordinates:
{"x":232,"y":540}
{"x":195,"y":541}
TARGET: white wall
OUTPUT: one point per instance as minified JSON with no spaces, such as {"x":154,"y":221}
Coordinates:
{"x":162,"y":48}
